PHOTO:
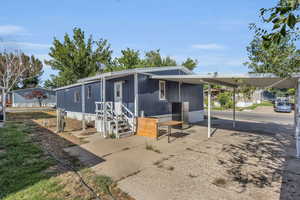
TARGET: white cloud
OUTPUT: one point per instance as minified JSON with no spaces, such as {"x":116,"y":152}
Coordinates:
{"x":11,"y":29}
{"x":24,"y":45}
{"x":209,"y":46}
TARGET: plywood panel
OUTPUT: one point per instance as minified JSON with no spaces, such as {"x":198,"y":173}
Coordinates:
{"x":147,"y":127}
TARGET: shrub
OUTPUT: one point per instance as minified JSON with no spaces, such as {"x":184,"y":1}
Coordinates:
{"x":225,"y":100}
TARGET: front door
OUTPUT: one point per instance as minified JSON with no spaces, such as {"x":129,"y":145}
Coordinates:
{"x":118,"y":94}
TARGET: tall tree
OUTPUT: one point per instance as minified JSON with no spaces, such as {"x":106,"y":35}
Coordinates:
{"x":78,"y":57}
{"x":190,"y":63}
{"x":281,"y":59}
{"x":30,"y":80}
{"x":154,"y":59}
{"x":130,"y":58}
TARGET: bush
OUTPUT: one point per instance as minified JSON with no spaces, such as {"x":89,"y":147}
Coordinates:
{"x":225,"y":100}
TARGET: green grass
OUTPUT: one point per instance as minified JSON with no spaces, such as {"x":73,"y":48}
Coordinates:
{"x":23,"y":165}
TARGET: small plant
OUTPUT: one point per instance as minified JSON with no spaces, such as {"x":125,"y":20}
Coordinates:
{"x":103,"y":183}
{"x":112,"y":136}
{"x":157,"y":162}
{"x":149,"y":147}
{"x":219,"y":182}
{"x":171,"y":168}
{"x":160,"y":165}
{"x":157,"y":151}
{"x":192,"y":175}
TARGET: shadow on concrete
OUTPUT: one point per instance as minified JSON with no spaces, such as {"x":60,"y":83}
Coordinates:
{"x":272,"y":145}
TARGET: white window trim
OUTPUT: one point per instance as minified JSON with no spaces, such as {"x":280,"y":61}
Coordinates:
{"x":159,"y":89}
{"x":75,"y":97}
{"x":121,"y":89}
{"x":89,"y":91}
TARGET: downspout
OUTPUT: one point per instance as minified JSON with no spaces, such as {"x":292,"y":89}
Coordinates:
{"x":136,"y":95}
{"x":83,"y":106}
{"x":209,"y":111}
{"x":233,"y":123}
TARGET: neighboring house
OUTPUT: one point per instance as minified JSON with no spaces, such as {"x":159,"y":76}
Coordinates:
{"x":32,"y":97}
{"x":133,"y":93}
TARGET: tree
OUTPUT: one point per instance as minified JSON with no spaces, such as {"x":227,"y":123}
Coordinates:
{"x":154,"y":59}
{"x":283,"y":18}
{"x":78,"y":57}
{"x":281,"y":59}
{"x":14,"y":69}
{"x":190,"y":63}
{"x":36,"y":94}
{"x":129,"y":59}
{"x":30,"y":80}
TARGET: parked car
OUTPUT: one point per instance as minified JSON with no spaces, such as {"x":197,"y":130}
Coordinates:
{"x":283,"y":107}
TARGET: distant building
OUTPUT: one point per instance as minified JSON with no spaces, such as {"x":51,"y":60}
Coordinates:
{"x":32,"y":97}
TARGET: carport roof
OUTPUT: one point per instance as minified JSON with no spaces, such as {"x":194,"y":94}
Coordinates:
{"x":235,"y":80}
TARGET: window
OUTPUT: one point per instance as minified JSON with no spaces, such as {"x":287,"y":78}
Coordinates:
{"x":89,"y":92}
{"x":118,"y":90}
{"x":76,"y":97}
{"x":162,"y":90}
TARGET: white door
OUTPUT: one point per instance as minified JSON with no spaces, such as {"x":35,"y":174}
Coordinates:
{"x":118,"y":94}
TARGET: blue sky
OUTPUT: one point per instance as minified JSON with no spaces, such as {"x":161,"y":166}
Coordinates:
{"x":213,"y":32}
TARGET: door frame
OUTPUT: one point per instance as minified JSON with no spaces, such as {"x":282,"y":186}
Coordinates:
{"x":121,"y":91}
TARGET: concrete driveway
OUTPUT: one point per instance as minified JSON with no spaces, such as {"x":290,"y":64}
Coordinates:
{"x":253,"y":161}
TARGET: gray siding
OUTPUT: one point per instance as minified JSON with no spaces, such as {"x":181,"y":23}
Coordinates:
{"x":128,"y":90}
{"x":90,"y":105}
{"x":65,"y":99}
{"x":149,"y":96}
{"x":194,"y":95}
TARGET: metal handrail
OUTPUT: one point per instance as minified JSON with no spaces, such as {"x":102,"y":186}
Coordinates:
{"x":106,"y":109}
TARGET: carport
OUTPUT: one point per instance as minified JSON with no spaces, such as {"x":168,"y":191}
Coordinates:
{"x":240,"y":80}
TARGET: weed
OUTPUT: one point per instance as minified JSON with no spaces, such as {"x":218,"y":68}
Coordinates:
{"x":157,"y":162}
{"x":157,"y":151}
{"x":126,"y":148}
{"x":103,"y":183}
{"x":219,"y":182}
{"x":149,"y":147}
{"x":112,"y":136}
{"x":192,"y":175}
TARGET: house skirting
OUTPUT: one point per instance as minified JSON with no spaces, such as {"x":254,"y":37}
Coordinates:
{"x":194,"y":116}
{"x":78,"y":115}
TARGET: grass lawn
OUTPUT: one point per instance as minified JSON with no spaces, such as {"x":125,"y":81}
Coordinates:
{"x":22,"y":166}
{"x":28,"y":173}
